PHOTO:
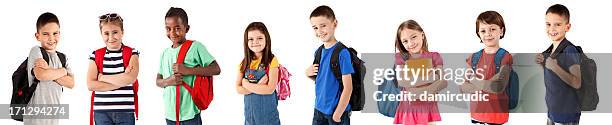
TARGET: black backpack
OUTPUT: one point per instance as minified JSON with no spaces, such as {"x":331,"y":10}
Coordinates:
{"x":588,"y":98}
{"x":357,"y":100}
{"x":22,"y":92}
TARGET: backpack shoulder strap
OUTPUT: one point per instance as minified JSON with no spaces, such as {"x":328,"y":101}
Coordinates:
{"x":579,"y":49}
{"x":499,"y":56}
{"x":62,"y":58}
{"x":559,"y":49}
{"x":317,"y":59}
{"x":181,"y":59}
{"x":334,"y":62}
{"x":126,"y":54}
{"x":475,"y":58}
{"x":99,"y":58}
{"x":44,"y":54}
{"x":183,"y":51}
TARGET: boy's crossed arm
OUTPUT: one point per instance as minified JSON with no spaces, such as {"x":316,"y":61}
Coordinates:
{"x":42,"y":71}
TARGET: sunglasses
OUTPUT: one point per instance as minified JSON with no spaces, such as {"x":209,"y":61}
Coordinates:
{"x":110,"y":16}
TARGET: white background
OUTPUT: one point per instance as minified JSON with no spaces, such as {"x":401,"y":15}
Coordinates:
{"x":368,"y":26}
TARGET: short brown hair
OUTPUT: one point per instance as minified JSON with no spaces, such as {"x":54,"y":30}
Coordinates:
{"x":46,"y":18}
{"x":490,"y":17}
{"x":559,"y":10}
{"x":325,"y":11}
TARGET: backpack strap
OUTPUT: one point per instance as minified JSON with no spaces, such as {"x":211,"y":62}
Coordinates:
{"x":181,"y":59}
{"x":317,"y":58}
{"x":499,"y":56}
{"x":554,"y":54}
{"x":62,"y":58}
{"x":475,"y":58}
{"x":44,"y":55}
{"x":98,"y":60}
{"x":334,"y":62}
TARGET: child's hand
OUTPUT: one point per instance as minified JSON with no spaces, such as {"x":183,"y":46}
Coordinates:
{"x":502,"y":73}
{"x":551,"y":63}
{"x":312,"y":70}
{"x":539,"y":58}
{"x":336,"y":117}
{"x":175,"y":79}
{"x":179,"y":68}
{"x":496,"y":77}
{"x":41,"y":63}
{"x":263,"y":80}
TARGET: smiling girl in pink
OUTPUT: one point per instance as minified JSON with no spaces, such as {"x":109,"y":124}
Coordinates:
{"x":412,"y":44}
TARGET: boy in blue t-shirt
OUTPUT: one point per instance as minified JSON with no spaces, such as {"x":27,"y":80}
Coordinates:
{"x":331,"y":102}
{"x":562,"y":76}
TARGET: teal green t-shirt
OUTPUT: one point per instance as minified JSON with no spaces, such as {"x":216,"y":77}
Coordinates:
{"x":197,"y":55}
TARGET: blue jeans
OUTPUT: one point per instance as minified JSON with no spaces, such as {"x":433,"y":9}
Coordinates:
{"x":114,"y":118}
{"x":323,"y":119}
{"x":261,"y":109}
{"x":195,"y":121}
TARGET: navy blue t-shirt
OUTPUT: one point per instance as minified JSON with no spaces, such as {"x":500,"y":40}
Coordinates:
{"x":327,"y":87}
{"x":562,"y":99}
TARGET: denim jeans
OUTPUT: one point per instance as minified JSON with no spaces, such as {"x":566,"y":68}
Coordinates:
{"x":261,"y":109}
{"x":323,"y":119}
{"x":195,"y":121}
{"x":114,"y":118}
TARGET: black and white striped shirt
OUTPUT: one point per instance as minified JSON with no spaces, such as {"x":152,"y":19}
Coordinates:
{"x":118,"y":100}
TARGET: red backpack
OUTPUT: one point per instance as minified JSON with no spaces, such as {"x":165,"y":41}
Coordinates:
{"x":202,"y":90}
{"x":98,"y":59}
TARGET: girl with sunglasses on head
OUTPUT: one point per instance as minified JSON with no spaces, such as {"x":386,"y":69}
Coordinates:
{"x":112,"y":76}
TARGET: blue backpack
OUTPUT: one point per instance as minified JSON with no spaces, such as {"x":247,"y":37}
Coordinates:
{"x":388,"y":108}
{"x":512,"y":89}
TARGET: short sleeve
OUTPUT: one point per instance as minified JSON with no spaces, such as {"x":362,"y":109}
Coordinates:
{"x":346,"y":66}
{"x":437,"y":59}
{"x":468,"y":61}
{"x":68,"y":67}
{"x":135,"y":51}
{"x":32,"y":57}
{"x":274,"y":63}
{"x":507,"y":60}
{"x":92,"y":55}
{"x":398,"y":59}
{"x":204,"y":57}
{"x":161,"y":63}
{"x":572,"y":56}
